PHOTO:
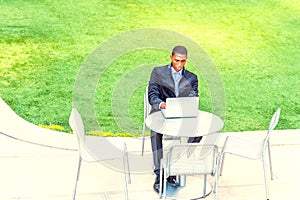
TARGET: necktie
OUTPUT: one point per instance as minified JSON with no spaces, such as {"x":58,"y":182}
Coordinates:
{"x":177,"y":76}
{"x":177,"y":79}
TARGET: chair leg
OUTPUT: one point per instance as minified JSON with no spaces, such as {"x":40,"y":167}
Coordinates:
{"x":270,"y":162}
{"x":160,"y":179}
{"x":265,"y":178}
{"x":204,"y":187}
{"x":165,"y":183}
{"x":216,"y":185}
{"x":217,"y":176}
{"x":143,"y":139}
{"x":128,"y":168}
{"x":125,"y":176}
{"x":221,"y":163}
{"x":77,"y":177}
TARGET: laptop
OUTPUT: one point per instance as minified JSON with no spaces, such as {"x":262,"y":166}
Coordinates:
{"x":181,"y":107}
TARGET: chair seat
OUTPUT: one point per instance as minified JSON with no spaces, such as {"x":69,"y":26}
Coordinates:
{"x":190,"y":168}
{"x":97,"y":144}
{"x":243,"y":147}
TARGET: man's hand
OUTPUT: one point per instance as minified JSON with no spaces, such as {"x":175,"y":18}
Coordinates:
{"x":163,"y":105}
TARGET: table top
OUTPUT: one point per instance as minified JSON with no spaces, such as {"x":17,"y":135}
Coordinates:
{"x":205,"y":123}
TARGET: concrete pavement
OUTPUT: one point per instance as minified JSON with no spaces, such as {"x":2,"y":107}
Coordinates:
{"x":39,"y":164}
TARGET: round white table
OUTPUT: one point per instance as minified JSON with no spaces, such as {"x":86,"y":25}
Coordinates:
{"x":205,"y":123}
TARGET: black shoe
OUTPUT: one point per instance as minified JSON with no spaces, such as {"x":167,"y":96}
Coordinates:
{"x":172,"y":181}
{"x":156,"y":185}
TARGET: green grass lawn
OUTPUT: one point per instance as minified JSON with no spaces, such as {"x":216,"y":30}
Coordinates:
{"x":255,"y":45}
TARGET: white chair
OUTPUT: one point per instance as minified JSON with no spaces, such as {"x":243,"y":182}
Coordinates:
{"x":91,"y":149}
{"x":190,"y":159}
{"x":251,"y":149}
{"x":147,"y":109}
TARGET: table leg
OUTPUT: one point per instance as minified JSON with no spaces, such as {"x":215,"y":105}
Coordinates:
{"x":181,"y":180}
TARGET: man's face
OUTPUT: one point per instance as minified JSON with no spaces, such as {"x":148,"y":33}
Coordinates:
{"x":178,"y":61}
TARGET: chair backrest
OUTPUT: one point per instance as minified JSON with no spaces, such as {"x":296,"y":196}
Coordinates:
{"x":274,"y":120}
{"x":147,"y":106}
{"x":147,"y":109}
{"x":76,"y":123}
{"x":192,"y":159}
{"x":272,"y":125}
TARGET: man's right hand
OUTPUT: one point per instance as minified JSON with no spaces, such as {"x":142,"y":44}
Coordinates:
{"x":163,"y":105}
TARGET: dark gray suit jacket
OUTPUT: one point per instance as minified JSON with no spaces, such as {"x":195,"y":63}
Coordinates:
{"x":161,"y":86}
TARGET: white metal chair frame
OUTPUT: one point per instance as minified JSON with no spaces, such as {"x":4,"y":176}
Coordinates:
{"x":251,"y":149}
{"x":190,"y":159}
{"x":147,"y":109}
{"x":88,"y":154}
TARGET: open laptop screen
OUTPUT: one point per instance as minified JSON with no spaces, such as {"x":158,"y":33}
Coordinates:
{"x":181,"y":107}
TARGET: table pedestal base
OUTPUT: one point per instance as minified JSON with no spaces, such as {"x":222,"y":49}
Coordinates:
{"x":193,"y":189}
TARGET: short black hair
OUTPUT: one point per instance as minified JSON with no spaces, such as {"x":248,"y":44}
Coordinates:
{"x":179,"y":50}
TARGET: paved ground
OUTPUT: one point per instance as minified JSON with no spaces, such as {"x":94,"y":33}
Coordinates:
{"x":38,"y":164}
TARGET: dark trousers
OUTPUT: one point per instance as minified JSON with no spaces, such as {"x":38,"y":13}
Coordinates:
{"x":157,"y":148}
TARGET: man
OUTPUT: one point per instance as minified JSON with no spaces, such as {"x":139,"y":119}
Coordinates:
{"x":169,"y":81}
